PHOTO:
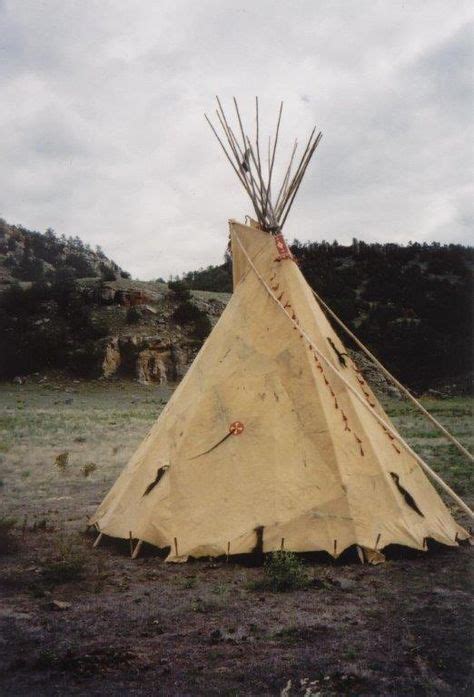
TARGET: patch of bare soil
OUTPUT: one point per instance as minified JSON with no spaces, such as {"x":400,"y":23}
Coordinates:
{"x":116,"y":626}
{"x":81,"y":621}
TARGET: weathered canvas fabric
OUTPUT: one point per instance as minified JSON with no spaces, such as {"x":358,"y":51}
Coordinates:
{"x":262,"y":445}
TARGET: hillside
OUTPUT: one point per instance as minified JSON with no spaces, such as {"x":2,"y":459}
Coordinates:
{"x":66,"y":307}
{"x":26,"y":255}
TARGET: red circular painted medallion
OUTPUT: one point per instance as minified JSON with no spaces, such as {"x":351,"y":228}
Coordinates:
{"x":236,"y":428}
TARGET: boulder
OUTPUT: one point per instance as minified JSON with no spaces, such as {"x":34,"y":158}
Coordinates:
{"x":112,"y":358}
{"x":153,"y":366}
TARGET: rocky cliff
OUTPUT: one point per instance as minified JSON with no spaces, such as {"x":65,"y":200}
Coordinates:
{"x":155,"y":347}
{"x":64,"y":306}
{"x":146,"y":358}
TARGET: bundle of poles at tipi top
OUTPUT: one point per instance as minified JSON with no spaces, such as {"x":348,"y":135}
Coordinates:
{"x":254,"y":165}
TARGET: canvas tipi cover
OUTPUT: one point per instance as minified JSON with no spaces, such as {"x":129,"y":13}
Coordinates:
{"x":264,"y":446}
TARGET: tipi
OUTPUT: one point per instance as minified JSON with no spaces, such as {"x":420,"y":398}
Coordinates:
{"x":273,"y":439}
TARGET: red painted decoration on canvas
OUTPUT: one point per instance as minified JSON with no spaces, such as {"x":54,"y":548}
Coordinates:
{"x":236,"y":428}
{"x":282,"y":247}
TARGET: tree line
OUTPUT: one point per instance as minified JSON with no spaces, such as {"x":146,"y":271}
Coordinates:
{"x":412,"y":305}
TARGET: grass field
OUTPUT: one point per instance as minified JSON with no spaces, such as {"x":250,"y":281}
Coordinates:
{"x":82,"y":621}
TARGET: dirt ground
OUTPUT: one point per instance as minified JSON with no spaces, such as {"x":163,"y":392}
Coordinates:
{"x":77,"y":620}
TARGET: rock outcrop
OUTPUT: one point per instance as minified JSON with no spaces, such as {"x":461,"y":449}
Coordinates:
{"x":112,"y":359}
{"x":111,"y":294}
{"x":153,"y":366}
{"x":374,"y":376}
{"x":148,"y":359}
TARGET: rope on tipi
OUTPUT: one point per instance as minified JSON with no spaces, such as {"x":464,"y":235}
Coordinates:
{"x":365,"y":404}
{"x":394,"y":380}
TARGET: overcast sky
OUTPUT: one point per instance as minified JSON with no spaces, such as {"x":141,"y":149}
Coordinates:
{"x":102,"y":132}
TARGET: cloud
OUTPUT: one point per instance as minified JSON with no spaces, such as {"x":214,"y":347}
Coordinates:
{"x":102,"y":130}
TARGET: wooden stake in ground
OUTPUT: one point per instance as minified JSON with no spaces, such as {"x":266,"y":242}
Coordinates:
{"x":137,"y":549}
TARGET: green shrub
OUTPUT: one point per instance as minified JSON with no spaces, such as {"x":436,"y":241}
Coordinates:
{"x":188,"y":583}
{"x":88,"y":468}
{"x":202,"y":327}
{"x":48,"y":326}
{"x":80,"y":264}
{"x":186,"y":312}
{"x":282,"y":572}
{"x":68,"y":563}
{"x":106,"y":273}
{"x":180,"y":290}
{"x":63,"y":570}
{"x":47,"y":658}
{"x":133,"y":316}
{"x":7,"y":542}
